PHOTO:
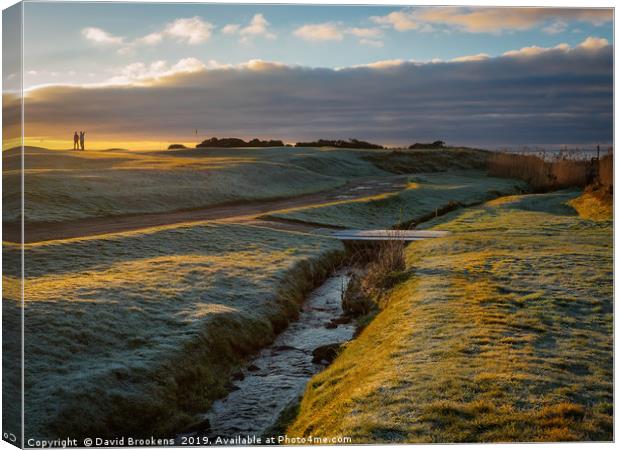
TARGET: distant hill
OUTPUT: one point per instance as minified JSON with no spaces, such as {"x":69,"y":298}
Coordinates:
{"x":351,"y":143}
{"x":176,"y":146}
{"x":236,"y":142}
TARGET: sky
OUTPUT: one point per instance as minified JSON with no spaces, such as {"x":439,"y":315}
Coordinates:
{"x":144,"y":74}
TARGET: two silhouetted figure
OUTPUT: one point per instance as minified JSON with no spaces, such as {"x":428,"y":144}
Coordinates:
{"x":78,"y":140}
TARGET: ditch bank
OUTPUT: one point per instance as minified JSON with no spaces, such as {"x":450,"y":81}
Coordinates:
{"x":174,"y":395}
{"x":163,"y":399}
{"x":274,"y":380}
{"x":265,"y":394}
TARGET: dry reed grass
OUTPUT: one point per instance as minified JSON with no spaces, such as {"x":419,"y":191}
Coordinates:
{"x":379,"y":268}
{"x":606,"y":171}
{"x":544,"y":175}
{"x":560,"y":172}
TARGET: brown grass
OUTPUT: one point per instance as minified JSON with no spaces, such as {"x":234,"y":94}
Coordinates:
{"x":544,"y":175}
{"x":606,"y":171}
{"x":384,"y":271}
{"x":377,"y":270}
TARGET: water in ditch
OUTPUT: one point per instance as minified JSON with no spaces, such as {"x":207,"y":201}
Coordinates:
{"x":277,"y":377}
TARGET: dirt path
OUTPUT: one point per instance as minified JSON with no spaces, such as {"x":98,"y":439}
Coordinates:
{"x":241,"y":212}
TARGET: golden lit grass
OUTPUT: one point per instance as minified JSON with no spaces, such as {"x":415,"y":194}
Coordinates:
{"x":133,"y":333}
{"x":502,"y":332}
{"x":591,"y":206}
{"x":426,"y":194}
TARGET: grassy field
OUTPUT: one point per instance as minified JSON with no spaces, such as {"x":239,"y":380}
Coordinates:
{"x":501,"y":332}
{"x":426,"y":194}
{"x":430,"y":160}
{"x":67,"y":185}
{"x":132,"y":333}
{"x":136,"y":332}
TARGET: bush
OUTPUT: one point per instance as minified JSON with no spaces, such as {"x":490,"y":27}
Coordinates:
{"x":356,"y":302}
{"x":238,"y":143}
{"x":351,"y":143}
{"x":385,"y":269}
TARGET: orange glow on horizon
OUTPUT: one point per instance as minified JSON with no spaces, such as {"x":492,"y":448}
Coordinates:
{"x":94,"y":144}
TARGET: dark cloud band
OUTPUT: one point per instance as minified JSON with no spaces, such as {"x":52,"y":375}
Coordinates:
{"x":543,"y":96}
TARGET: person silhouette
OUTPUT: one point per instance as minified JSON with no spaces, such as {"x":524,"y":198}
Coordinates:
{"x":82,"y":133}
{"x":76,"y":140}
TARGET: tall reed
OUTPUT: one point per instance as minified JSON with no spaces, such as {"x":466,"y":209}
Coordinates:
{"x":544,"y":175}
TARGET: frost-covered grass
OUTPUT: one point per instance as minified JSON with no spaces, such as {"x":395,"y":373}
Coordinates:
{"x":426,"y":194}
{"x":132,"y":333}
{"x":431,"y":160}
{"x":501,"y":332}
{"x":67,"y":185}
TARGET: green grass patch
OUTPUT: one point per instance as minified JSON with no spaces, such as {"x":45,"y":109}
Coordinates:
{"x":428,"y":194}
{"x":502,"y":333}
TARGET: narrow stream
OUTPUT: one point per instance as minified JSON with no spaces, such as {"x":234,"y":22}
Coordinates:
{"x":278,"y":376}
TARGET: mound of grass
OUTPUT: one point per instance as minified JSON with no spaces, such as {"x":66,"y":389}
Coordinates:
{"x":428,"y":194}
{"x":132,"y":333}
{"x":502,"y":332}
{"x":430,"y":160}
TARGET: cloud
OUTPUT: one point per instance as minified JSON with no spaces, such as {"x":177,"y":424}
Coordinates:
{"x":369,"y":33}
{"x":368,"y":36}
{"x":399,"y":20}
{"x":468,"y":58}
{"x":140,"y":74}
{"x":593,"y":43}
{"x":101,"y":37}
{"x":535,"y":50}
{"x":192,"y":31}
{"x":320,"y":32}
{"x":150,"y":39}
{"x":231,"y":28}
{"x":384,"y":64}
{"x":556,"y":27}
{"x":533,"y":96}
{"x":492,"y":20}
{"x":335,"y":31}
{"x":258,"y":27}
{"x":259,"y":65}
